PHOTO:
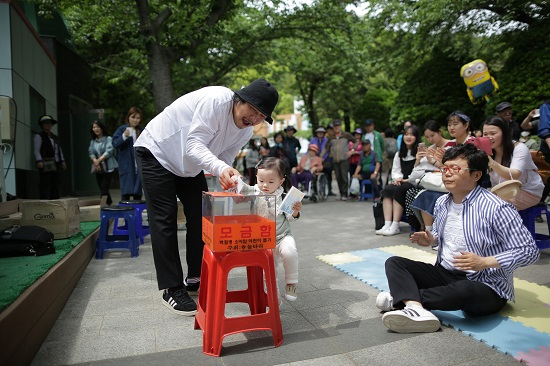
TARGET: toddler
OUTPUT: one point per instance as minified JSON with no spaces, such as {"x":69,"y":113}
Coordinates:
{"x":271,"y":179}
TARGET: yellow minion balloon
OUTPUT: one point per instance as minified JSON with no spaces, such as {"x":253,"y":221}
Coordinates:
{"x":480,"y":84}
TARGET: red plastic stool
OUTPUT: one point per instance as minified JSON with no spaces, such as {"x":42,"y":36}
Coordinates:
{"x":213,"y":296}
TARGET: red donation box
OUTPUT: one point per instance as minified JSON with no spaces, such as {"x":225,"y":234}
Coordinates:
{"x":236,"y":222}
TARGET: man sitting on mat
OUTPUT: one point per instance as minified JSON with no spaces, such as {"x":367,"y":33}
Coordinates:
{"x":481,"y":239}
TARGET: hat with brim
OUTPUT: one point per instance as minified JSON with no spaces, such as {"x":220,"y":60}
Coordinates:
{"x":290,"y":128}
{"x":320,"y":129}
{"x":507,"y":190}
{"x":502,"y":106}
{"x":358,"y":131}
{"x":337,"y":122}
{"x":262,"y":95}
{"x":46,"y":118}
{"x":313,"y":147}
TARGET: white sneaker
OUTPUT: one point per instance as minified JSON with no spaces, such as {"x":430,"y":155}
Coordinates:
{"x":391,"y":231}
{"x":412,"y":319}
{"x":384,"y":301}
{"x":290,"y":292}
{"x":382,"y":229}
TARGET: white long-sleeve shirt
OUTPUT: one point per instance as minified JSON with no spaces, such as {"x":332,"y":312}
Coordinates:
{"x":196,"y":132}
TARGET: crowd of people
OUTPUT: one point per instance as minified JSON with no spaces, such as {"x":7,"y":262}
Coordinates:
{"x":442,"y":186}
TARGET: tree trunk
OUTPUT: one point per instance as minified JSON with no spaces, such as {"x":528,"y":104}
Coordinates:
{"x":308,"y":97}
{"x":160,"y":72}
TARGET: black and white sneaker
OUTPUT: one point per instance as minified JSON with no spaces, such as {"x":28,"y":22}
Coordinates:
{"x":179,"y":302}
{"x":192,"y":285}
{"x":412,"y":319}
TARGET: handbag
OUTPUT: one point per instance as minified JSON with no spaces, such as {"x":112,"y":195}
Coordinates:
{"x":543,"y":168}
{"x":26,"y":240}
{"x":378,"y":213}
{"x":102,"y":166}
{"x":48,"y":165}
{"x":433,"y":181}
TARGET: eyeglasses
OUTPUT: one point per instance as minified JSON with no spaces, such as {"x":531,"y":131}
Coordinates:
{"x":262,"y":116}
{"x":453,"y":169}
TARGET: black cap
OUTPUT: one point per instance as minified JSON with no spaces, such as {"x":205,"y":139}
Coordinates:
{"x":262,"y":95}
{"x":46,"y":118}
{"x":337,"y":122}
{"x":368,"y":122}
{"x":290,"y":128}
{"x":502,"y":106}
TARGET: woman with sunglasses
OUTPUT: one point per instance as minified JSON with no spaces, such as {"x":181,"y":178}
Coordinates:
{"x":512,"y":161}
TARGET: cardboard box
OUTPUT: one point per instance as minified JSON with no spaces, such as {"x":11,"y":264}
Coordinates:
{"x":9,"y":207}
{"x":10,"y":220}
{"x":90,"y":209}
{"x":61,"y":217}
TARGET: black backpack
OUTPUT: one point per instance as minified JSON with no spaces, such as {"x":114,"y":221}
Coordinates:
{"x":26,"y":240}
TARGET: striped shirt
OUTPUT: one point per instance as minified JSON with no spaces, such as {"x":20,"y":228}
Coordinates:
{"x":491,"y":227}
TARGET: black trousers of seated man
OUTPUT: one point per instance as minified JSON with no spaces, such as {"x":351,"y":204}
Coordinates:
{"x":161,"y":188}
{"x":437,"y":288}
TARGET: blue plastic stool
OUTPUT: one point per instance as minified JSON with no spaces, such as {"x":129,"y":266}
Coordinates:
{"x":141,"y":230}
{"x":528,"y":216}
{"x":107,"y":242}
{"x":364,"y":195}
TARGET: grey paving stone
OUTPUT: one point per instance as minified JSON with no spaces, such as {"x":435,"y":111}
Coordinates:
{"x":115,"y":315}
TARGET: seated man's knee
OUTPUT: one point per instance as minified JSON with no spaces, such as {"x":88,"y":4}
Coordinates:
{"x":392,"y":262}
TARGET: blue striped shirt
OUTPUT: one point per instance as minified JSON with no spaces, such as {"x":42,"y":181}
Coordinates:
{"x":491,"y":227}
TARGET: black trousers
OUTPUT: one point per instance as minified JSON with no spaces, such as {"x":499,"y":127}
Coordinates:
{"x":104,"y":183}
{"x":48,"y":186}
{"x":437,"y":288}
{"x":162,"y":189}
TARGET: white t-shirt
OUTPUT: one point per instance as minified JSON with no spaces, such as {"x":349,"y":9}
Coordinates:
{"x":522,"y":161}
{"x":196,"y":132}
{"x":454,"y":241}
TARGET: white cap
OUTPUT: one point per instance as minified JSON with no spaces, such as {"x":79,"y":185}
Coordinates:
{"x":525,"y":133}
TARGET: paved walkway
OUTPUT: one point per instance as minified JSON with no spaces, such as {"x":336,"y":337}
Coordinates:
{"x":115,"y":315}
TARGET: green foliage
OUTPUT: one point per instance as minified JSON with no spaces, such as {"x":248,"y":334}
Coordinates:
{"x":401,"y":60}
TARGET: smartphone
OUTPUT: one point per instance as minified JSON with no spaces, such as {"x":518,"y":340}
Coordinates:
{"x":421,"y":146}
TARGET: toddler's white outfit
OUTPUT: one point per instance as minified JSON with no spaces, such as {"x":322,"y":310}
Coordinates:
{"x":285,"y":250}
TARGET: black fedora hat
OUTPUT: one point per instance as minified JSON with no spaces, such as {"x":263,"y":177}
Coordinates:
{"x":262,"y":95}
{"x":45,"y":118}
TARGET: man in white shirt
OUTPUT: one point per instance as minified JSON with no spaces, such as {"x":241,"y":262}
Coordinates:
{"x":200,"y":131}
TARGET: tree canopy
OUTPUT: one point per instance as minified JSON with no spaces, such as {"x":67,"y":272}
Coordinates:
{"x":396,"y":60}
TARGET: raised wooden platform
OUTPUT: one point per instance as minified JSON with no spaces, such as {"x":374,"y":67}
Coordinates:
{"x":25,"y":324}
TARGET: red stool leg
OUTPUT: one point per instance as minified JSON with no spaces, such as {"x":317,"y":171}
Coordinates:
{"x":257,"y":300}
{"x":273,"y":299}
